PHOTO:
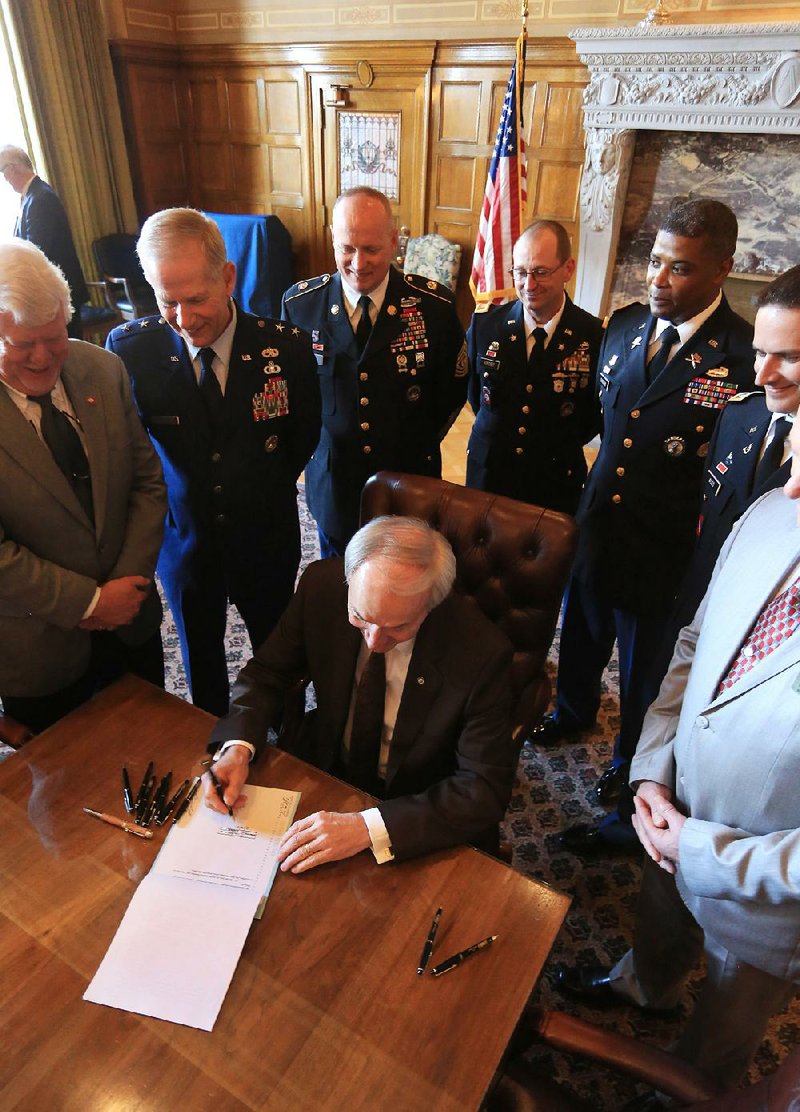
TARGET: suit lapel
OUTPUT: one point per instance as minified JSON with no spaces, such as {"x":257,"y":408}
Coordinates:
{"x":89,"y":408}
{"x":704,"y":351}
{"x":634,"y":354}
{"x":389,"y":323}
{"x":337,"y":320}
{"x":514,"y":346}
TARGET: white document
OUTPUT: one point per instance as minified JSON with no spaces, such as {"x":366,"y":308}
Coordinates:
{"x":180,"y":940}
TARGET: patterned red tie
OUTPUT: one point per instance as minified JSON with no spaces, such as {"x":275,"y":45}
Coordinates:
{"x":776,"y":622}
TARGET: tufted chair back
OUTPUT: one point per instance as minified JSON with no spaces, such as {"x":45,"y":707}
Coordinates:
{"x":512,"y":560}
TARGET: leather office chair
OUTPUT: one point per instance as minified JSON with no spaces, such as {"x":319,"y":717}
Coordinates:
{"x":98,"y":320}
{"x":512,"y":560}
{"x":522,"y":1089}
{"x":435,"y":257}
{"x":127,"y":290}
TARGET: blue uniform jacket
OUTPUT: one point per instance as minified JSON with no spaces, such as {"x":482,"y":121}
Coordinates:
{"x":531,"y":424}
{"x":390,"y":408}
{"x":235,"y":492}
{"x":638,"y":512}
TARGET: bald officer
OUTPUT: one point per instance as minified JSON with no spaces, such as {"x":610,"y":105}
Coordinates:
{"x":391,"y":360}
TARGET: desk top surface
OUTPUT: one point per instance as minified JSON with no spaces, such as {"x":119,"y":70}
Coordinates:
{"x":325,"y":1010}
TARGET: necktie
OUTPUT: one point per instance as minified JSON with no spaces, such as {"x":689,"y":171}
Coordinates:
{"x":209,"y":384}
{"x":773,"y":453}
{"x":364,"y":327}
{"x":659,"y":361}
{"x":537,"y":350}
{"x":65,"y":446}
{"x":777,"y":621}
{"x":365,"y":736}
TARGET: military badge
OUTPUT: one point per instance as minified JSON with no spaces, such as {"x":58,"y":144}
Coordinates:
{"x":462,"y":366}
{"x":635,"y":342}
{"x":675,"y":446}
{"x":702,"y":451}
{"x":717,"y":372}
{"x":567,"y":409}
{"x":413,"y":393}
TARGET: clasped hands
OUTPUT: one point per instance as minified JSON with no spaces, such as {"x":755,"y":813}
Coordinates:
{"x":658,"y":824}
{"x":119,"y":602}
{"x":319,"y":839}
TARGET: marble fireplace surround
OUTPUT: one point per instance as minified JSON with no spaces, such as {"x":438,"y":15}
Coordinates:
{"x":726,"y":78}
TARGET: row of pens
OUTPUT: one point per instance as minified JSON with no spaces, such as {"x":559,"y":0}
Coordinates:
{"x":152,"y":804}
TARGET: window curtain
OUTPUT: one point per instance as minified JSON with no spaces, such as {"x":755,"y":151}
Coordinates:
{"x":69,"y":102}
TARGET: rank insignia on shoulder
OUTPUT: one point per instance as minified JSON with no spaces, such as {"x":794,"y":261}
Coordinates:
{"x":279,"y":326}
{"x":144,"y":323}
{"x":462,"y":364}
{"x":161,"y":320}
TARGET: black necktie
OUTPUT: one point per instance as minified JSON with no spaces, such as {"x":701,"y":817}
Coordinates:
{"x":209,"y":383}
{"x":669,"y":337}
{"x":365,"y":736}
{"x":773,"y":453}
{"x":62,"y":439}
{"x":537,"y":350}
{"x":364,"y":327}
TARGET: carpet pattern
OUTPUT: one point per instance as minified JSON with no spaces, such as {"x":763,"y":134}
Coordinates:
{"x":554,"y":788}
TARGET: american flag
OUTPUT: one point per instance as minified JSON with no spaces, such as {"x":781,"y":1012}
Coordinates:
{"x":505,"y":196}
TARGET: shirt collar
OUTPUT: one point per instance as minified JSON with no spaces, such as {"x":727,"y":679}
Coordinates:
{"x":549,"y":327}
{"x":688,"y":328}
{"x":377,"y":296}
{"x":223,"y":345}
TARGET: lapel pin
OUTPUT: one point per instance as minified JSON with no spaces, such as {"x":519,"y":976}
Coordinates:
{"x":91,"y":400}
{"x":636,"y":341}
{"x":334,"y":309}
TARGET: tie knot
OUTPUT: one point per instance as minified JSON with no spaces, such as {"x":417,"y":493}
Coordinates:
{"x":670,"y":336}
{"x":44,"y":401}
{"x":540,"y":336}
{"x":207,"y":359}
{"x":365,"y":304}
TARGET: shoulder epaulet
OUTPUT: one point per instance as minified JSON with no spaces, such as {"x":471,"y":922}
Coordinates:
{"x":306,"y":286}
{"x":743,"y":395}
{"x":429,"y":286}
{"x":134,"y":327}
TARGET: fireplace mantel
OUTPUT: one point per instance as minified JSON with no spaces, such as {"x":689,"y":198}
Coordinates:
{"x":730,"y":78}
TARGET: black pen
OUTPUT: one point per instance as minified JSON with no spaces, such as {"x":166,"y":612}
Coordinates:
{"x":168,"y":808}
{"x":127,"y":794}
{"x":163,"y":788}
{"x":144,"y":803}
{"x":219,"y":789}
{"x":189,"y":797}
{"x":427,"y":949}
{"x":143,"y":787}
{"x":456,"y":960}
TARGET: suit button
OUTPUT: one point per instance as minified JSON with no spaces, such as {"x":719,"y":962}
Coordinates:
{"x":627,"y":442}
{"x":365,"y":426}
{"x":363,"y":401}
{"x":526,"y":409}
{"x":522,"y":431}
{"x":699,"y":428}
{"x":363,"y":376}
{"x":220,"y":518}
{"x":616,"y":499}
{"x":635,"y":413}
{"x":701,"y":722}
{"x":529,"y":389}
{"x":620,"y":471}
{"x":485,"y":374}
{"x":217,"y":489}
{"x":366,"y":449}
{"x":216,"y":457}
{"x":520,"y":451}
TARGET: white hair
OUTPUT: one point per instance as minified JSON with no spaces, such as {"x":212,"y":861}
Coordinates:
{"x":33,"y":291}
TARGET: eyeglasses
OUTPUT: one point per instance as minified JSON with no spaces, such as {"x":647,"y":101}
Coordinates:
{"x":539,"y":273}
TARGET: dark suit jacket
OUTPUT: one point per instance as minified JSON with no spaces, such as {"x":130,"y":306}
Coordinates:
{"x":531,"y":424}
{"x":452,"y":760}
{"x":43,"y":221}
{"x":255,"y":460}
{"x":390,"y":408}
{"x":638,"y":512}
{"x":51,"y":555}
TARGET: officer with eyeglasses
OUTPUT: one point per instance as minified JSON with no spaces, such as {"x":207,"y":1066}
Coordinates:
{"x":532,"y":380}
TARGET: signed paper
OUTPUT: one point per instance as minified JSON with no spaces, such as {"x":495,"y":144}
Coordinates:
{"x":199,"y":899}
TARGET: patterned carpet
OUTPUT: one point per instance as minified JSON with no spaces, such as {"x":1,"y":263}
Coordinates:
{"x":554,"y":789}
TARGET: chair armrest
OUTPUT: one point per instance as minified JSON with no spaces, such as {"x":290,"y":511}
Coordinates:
{"x":13,"y":733}
{"x":647,"y":1063}
{"x":102,"y":289}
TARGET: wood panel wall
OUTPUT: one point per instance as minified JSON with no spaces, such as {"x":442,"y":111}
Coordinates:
{"x":235,"y":129}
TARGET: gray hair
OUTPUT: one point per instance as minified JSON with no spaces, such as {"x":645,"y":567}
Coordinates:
{"x":32,"y":290}
{"x":164,"y":233}
{"x":408,"y":541}
{"x":15,"y":155}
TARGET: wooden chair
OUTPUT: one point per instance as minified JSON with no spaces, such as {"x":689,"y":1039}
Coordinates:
{"x":521,"y":1088}
{"x":512,"y":561}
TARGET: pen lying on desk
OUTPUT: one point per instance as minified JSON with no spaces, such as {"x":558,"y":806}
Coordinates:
{"x":456,"y":960}
{"x":427,"y":949}
{"x":168,"y":808}
{"x":112,"y":820}
{"x":189,"y":797}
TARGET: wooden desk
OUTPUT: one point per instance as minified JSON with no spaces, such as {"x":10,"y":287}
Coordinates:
{"x":325,"y":1010}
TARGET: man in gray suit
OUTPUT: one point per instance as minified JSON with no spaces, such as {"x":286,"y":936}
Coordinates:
{"x":716,"y":774}
{"x":82,"y":506}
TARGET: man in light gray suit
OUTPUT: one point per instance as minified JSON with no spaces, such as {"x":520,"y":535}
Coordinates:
{"x":716,"y":775}
{"x":82,"y":506}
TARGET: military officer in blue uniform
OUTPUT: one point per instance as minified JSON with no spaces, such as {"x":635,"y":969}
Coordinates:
{"x":665,"y":372}
{"x":532,"y":380}
{"x":231,"y":403}
{"x":749,"y":453}
{"x":391,"y":360}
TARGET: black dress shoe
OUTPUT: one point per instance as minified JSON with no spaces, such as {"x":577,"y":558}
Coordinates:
{"x":609,"y":839}
{"x":550,"y":731}
{"x":589,"y":983}
{"x":611,"y":782}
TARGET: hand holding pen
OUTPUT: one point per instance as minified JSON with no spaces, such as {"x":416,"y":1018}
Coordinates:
{"x":219,"y":790}
{"x":230,"y":773}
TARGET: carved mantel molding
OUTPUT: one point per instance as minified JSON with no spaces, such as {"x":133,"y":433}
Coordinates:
{"x":725,"y":78}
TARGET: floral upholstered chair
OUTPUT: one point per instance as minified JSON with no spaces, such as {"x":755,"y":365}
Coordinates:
{"x":435,"y":257}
